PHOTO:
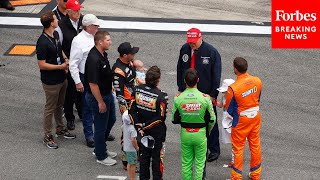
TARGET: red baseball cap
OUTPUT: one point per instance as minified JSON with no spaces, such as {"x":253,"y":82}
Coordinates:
{"x":193,"y":35}
{"x":74,"y":5}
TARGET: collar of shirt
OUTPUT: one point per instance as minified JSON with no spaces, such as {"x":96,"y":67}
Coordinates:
{"x":75,"y":24}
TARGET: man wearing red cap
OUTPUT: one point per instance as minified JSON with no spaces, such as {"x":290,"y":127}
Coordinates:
{"x":204,"y":58}
{"x":69,"y":27}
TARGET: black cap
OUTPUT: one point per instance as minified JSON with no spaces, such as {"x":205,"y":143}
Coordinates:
{"x":127,"y":48}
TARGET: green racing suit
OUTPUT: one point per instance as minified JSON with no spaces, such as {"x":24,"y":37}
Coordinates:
{"x":193,"y":110}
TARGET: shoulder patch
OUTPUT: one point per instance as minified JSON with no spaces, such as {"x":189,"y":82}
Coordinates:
{"x":119,"y":71}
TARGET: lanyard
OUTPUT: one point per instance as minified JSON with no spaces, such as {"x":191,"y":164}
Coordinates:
{"x":54,"y":44}
{"x":58,"y":13}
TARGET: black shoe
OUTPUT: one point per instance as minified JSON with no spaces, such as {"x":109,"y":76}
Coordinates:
{"x":90,"y":143}
{"x":70,"y":125}
{"x":8,"y":6}
{"x":66,"y":134}
{"x":49,"y":142}
{"x":213,"y":157}
{"x":110,"y":137}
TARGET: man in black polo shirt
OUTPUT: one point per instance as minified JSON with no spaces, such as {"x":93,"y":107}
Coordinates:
{"x":99,"y":97}
{"x":53,"y":68}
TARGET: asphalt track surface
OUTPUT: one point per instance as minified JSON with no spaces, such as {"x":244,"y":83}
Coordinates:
{"x":289,"y":105}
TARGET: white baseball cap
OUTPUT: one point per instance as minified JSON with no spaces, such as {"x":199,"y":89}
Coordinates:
{"x":225,"y":84}
{"x":90,"y":19}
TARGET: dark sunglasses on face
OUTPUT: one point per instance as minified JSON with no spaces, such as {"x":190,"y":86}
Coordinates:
{"x":65,"y":0}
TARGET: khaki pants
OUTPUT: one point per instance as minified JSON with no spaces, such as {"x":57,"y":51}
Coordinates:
{"x":55,"y":95}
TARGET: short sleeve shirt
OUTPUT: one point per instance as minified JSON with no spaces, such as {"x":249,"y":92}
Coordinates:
{"x":98,"y":71}
{"x":129,"y":132}
{"x":49,"y":49}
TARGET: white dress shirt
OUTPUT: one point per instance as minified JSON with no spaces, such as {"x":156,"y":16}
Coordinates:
{"x":80,"y":47}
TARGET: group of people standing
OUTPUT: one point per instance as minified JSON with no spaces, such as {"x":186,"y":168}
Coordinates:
{"x":75,"y":69}
{"x":62,"y":51}
{"x":198,"y":79}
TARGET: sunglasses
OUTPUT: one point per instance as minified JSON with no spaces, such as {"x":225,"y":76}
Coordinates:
{"x":65,"y":0}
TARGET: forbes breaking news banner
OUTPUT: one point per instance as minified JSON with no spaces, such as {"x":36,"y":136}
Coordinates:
{"x":295,"y":23}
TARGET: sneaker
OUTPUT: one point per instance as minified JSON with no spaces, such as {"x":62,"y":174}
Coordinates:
{"x":107,"y":161}
{"x":108,"y":153}
{"x":49,"y":142}
{"x":66,"y":134}
{"x":249,"y":175}
{"x":111,"y":154}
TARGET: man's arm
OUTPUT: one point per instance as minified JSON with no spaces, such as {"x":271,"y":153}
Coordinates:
{"x":215,"y":73}
{"x":76,"y":56}
{"x":132,"y":109}
{"x":118,"y":83}
{"x":210,"y":113}
{"x":230,"y":102}
{"x":46,"y":66}
{"x":176,"y":117}
{"x":42,"y":52}
{"x":96,"y":93}
{"x":179,"y":73}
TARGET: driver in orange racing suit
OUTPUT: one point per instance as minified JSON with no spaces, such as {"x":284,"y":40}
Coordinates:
{"x":242,"y":102}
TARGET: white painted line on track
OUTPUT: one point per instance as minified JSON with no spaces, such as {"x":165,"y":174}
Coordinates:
{"x":112,"y":177}
{"x":153,"y":26}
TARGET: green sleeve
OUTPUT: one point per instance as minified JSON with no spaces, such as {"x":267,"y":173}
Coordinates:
{"x":211,"y":112}
{"x":176,"y":118}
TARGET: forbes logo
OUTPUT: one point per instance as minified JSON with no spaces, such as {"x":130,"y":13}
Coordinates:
{"x":281,"y":15}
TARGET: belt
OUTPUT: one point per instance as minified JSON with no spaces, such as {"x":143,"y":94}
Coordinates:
{"x":251,"y":112}
{"x":193,"y":125}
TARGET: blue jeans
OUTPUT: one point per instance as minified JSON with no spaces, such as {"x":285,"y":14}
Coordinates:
{"x":103,"y":122}
{"x":87,"y":117}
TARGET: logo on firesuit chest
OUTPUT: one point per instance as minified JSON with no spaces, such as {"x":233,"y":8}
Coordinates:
{"x":191,"y":107}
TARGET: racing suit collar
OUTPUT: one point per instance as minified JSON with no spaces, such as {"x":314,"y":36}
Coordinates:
{"x":241,"y":76}
{"x":123,"y":61}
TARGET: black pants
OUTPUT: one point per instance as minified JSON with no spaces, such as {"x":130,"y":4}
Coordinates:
{"x":213,"y":140}
{"x":72,"y":97}
{"x":4,"y":3}
{"x":146,"y":155}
